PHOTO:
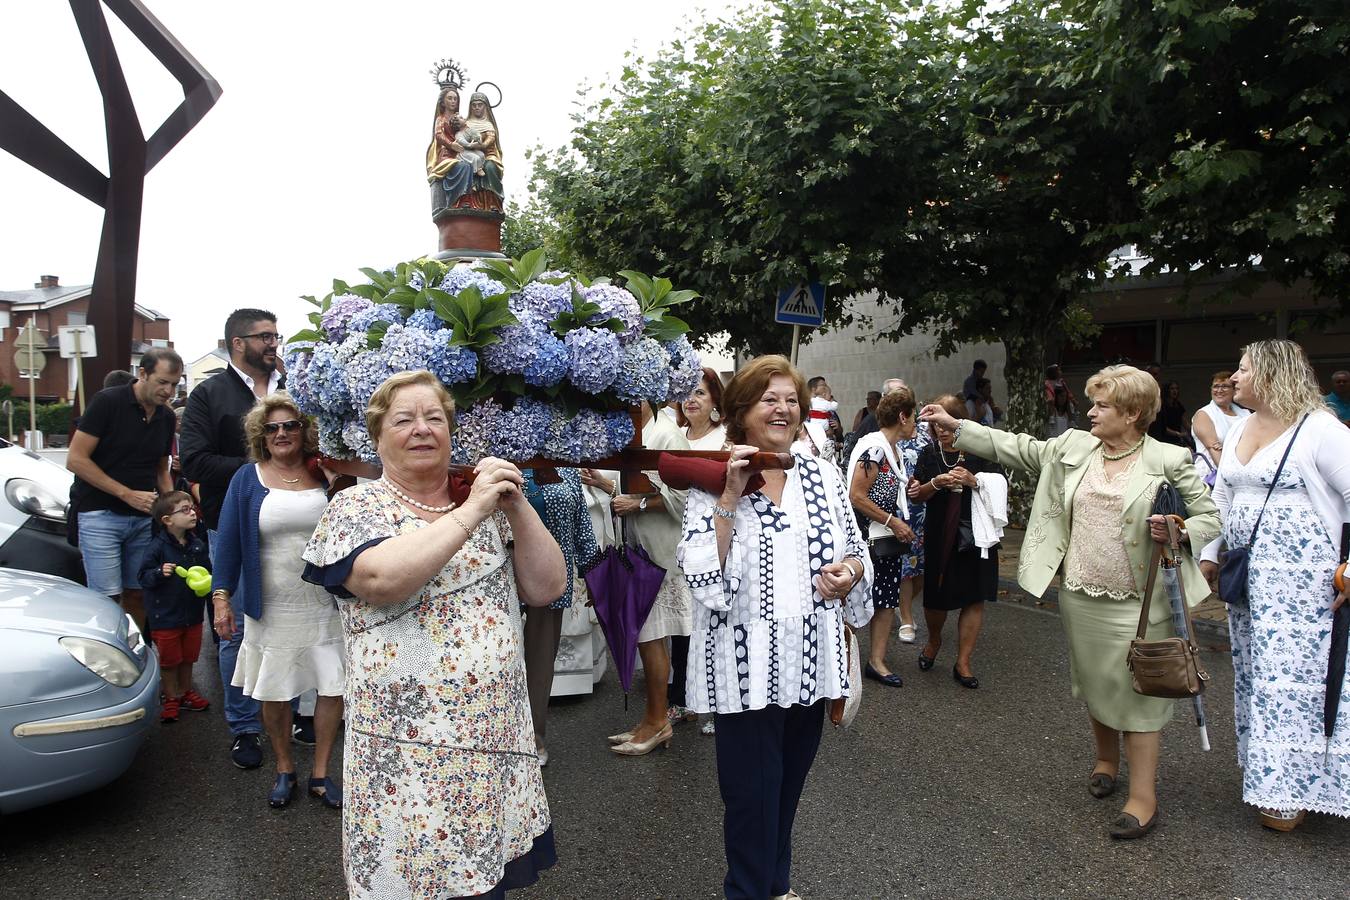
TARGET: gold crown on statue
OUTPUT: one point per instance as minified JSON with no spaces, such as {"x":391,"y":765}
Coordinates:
{"x":449,"y":74}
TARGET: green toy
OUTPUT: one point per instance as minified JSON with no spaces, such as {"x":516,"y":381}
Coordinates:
{"x":197,"y":578}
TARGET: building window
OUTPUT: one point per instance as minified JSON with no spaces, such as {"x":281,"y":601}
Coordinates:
{"x":77,"y":319}
{"x":156,"y":342}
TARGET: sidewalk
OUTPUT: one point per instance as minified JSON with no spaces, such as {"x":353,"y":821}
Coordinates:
{"x":1211,"y":619}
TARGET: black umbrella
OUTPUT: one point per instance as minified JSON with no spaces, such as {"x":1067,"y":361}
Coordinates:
{"x":1340,"y":632}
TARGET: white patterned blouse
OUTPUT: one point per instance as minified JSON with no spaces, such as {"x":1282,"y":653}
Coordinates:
{"x":762,"y":632}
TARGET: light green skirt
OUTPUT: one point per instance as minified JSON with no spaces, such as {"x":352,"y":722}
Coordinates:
{"x":1099,"y":630}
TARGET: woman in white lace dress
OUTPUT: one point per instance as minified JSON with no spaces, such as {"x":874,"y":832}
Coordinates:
{"x":1281,"y":641}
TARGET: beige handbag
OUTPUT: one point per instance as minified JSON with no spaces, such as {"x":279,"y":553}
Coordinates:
{"x":844,"y":709}
{"x":1170,"y":667}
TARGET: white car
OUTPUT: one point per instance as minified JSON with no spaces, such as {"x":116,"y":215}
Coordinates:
{"x":33,"y":515}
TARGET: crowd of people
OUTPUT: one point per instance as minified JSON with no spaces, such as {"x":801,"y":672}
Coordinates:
{"x":423,"y":610}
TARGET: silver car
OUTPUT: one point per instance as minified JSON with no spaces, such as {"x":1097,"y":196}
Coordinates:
{"x":79,"y":690}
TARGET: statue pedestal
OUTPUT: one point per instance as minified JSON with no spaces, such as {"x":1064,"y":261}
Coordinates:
{"x":472,"y":233}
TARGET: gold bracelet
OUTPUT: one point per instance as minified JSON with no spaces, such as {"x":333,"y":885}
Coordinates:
{"x":468,"y":532}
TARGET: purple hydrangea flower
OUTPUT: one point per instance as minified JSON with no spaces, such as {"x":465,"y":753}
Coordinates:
{"x":473,"y":432}
{"x":515,"y":350}
{"x":686,"y":368}
{"x":391,"y":313}
{"x":296,"y":359}
{"x":341,"y":309}
{"x":594,"y":362}
{"x":617,"y":303}
{"x":644,"y":372}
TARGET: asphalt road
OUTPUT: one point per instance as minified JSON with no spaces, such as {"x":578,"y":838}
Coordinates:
{"x":936,"y":792}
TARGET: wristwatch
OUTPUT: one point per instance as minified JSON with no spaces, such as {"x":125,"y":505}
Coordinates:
{"x":642,"y":504}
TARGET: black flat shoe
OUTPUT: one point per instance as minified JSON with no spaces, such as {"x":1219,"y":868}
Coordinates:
{"x":1127,"y":827}
{"x":972,"y":682}
{"x":926,"y":662}
{"x":1101,"y":785}
{"x":890,"y":680}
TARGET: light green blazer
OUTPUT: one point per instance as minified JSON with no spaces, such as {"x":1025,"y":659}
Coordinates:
{"x":1059,"y":466}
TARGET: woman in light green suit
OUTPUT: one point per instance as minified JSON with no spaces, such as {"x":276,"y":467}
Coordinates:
{"x":1091,"y":523}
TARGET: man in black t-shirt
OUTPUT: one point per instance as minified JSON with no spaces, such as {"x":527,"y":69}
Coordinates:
{"x":120,"y":457}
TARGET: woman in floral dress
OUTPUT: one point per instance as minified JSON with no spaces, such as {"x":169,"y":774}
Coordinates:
{"x":444,"y":796}
{"x":1281,"y":641}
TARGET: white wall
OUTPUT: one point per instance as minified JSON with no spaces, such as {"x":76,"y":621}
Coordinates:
{"x":854,"y":361}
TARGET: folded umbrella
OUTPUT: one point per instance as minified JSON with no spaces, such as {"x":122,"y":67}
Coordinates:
{"x":1340,"y":637}
{"x":623,"y":586}
{"x":1169,"y":503}
{"x":710,"y":475}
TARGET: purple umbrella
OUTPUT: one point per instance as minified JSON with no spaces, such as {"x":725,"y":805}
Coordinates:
{"x":623,"y":585}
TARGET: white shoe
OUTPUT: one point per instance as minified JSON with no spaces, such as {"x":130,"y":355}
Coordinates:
{"x":906,"y":634}
{"x":790,"y":895}
{"x":542,"y":753}
{"x":709,"y":727}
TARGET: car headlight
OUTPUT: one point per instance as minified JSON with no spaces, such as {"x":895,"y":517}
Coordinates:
{"x":27,"y":496}
{"x":104,"y":660}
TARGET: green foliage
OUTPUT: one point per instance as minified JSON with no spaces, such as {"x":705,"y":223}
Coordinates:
{"x":473,"y":317}
{"x":52,"y":418}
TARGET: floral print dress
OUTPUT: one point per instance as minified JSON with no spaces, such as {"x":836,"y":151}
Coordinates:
{"x":1281,"y":644}
{"x":911,"y":563}
{"x":443,"y":791}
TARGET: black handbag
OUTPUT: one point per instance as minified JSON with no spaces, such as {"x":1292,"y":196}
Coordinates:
{"x":1233,"y":569}
{"x":887,"y":547}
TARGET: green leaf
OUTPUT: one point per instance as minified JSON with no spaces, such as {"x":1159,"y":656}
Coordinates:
{"x":369,"y":291}
{"x":309,"y":298}
{"x":305,"y":334}
{"x":378,"y":278}
{"x":532,"y":265}
{"x":641,"y":286}
{"x":404,"y":296}
{"x":667,"y":328}
{"x":375,"y":334}
{"x":340,"y":286}
{"x":471,"y":301}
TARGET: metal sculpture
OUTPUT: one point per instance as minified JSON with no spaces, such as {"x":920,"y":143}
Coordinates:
{"x":130,"y":157}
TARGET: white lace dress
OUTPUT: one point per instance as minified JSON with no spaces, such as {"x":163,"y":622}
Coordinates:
{"x":297,"y":644}
{"x":1281,"y":644}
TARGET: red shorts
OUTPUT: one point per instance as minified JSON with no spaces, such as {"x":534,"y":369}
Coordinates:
{"x":178,"y":645}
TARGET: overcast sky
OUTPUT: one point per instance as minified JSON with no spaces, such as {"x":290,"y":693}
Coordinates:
{"x":312,"y":163}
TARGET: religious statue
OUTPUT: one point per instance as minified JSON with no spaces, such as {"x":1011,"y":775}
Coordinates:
{"x":464,"y":160}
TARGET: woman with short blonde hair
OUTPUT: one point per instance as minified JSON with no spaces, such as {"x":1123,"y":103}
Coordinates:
{"x":1092,"y":524}
{"x":1291,"y":524}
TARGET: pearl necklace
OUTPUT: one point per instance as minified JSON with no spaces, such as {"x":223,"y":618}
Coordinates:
{"x":411,"y":502}
{"x":1116,"y":457}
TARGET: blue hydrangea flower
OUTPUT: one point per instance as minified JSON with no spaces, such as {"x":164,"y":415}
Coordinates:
{"x":463,"y":275}
{"x":540,"y":303}
{"x":339,"y":313}
{"x":594,"y":361}
{"x":473,"y":432}
{"x":296,"y":360}
{"x":518,"y":433}
{"x":391,"y":313}
{"x":617,"y":303}
{"x":686,"y":368}
{"x":416,"y":281}
{"x":326,"y":379}
{"x":330,"y":437}
{"x":355,"y":436}
{"x":515,"y":350}
{"x":452,"y":364}
{"x":426,"y":319}
{"x":550,"y":360}
{"x":644,"y":372}
{"x":618,"y":430}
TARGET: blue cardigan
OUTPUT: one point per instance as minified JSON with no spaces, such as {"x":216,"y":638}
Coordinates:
{"x":238,"y":565}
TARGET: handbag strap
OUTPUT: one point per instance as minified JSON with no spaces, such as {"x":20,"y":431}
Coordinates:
{"x":1276,"y":480}
{"x":1155,"y":565}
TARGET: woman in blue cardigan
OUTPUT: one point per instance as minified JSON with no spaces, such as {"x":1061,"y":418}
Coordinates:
{"x":292,"y":637}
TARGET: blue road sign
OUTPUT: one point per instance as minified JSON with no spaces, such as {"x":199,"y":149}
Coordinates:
{"x":801,"y":304}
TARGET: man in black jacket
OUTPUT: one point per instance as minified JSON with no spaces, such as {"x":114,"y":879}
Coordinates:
{"x":212,"y":448}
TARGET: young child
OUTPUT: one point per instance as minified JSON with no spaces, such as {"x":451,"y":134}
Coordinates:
{"x":173,"y":610}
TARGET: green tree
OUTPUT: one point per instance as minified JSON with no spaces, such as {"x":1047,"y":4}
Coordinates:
{"x":1242,"y":137}
{"x":529,"y":226}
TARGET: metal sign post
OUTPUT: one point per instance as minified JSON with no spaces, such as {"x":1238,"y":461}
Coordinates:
{"x":77,"y":342}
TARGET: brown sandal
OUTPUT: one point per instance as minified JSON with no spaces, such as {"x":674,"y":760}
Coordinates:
{"x":1282,"y":820}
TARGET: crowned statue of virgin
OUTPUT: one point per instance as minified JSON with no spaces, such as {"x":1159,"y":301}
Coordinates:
{"x":464,"y":160}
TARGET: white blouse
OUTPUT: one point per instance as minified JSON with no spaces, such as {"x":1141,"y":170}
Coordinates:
{"x":762,"y":632}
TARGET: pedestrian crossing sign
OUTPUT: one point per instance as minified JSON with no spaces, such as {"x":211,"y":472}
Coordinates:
{"x":801,"y":304}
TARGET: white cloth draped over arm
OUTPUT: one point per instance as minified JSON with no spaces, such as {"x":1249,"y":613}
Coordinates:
{"x":989,"y":510}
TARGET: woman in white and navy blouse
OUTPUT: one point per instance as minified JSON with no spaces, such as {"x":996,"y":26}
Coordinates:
{"x":774,"y":576}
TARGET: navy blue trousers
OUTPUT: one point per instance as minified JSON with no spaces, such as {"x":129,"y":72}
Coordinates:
{"x":763,"y":756}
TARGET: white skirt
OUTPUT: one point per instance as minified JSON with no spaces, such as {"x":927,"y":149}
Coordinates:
{"x":673,"y":611}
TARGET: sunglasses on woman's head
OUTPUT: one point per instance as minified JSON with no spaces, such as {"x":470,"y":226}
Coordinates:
{"x":288,"y":426}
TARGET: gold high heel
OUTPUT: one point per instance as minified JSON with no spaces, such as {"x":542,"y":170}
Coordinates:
{"x":642,"y":748}
{"x":620,"y":738}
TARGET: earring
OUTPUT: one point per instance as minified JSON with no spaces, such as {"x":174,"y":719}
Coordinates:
{"x":714,"y":416}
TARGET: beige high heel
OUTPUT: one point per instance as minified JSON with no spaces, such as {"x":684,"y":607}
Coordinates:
{"x":623,"y":738}
{"x":642,"y":748}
